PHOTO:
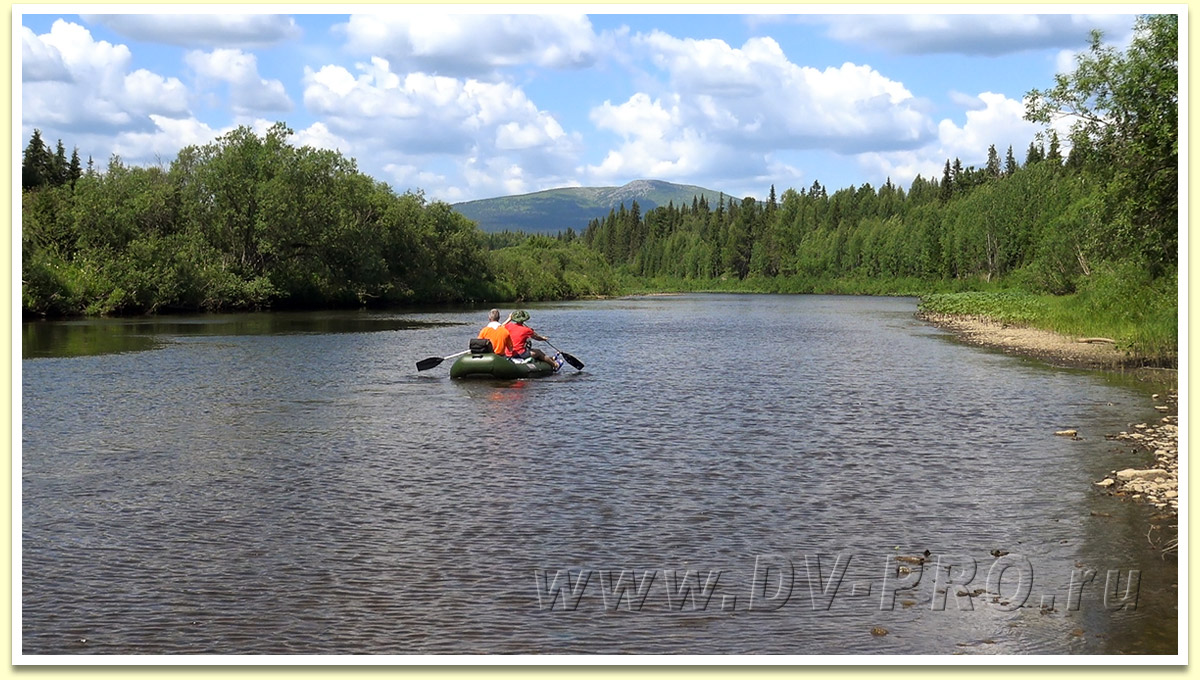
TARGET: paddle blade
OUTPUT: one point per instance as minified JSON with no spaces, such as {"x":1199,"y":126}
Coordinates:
{"x":573,"y":361}
{"x":426,"y":364}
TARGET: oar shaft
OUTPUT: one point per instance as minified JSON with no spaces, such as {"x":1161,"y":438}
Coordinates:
{"x":575,"y":363}
{"x":426,"y":364}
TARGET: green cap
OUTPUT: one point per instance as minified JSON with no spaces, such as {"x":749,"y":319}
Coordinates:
{"x":520,"y":316}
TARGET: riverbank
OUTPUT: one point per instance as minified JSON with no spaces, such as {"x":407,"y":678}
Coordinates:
{"x":1156,"y":483}
{"x":1054,"y":348}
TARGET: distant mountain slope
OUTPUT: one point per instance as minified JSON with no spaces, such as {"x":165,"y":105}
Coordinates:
{"x":557,"y":210}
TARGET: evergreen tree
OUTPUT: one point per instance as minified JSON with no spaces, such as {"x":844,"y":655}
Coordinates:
{"x":1053,"y":153}
{"x":958,"y":178}
{"x":993,"y":163}
{"x":1034,"y":155}
{"x":1010,"y":162}
{"x":947,"y":186}
{"x":74,"y":171}
{"x":36,"y":163}
{"x":60,"y":171}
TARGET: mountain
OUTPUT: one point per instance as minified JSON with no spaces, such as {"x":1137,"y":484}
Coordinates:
{"x":557,"y":210}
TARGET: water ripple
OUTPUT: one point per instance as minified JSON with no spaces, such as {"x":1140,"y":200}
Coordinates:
{"x":283,"y":492}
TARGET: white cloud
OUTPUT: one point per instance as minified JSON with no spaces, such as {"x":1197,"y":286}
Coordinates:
{"x":969,"y":102}
{"x":219,"y":29}
{"x":976,"y":34}
{"x":98,"y":88}
{"x":248,"y":91}
{"x":151,"y":93}
{"x":639,"y":118}
{"x":318,"y":136}
{"x":1066,"y":61}
{"x":727,"y":113}
{"x":1000,"y":122}
{"x":164,"y":141}
{"x":415,"y":119}
{"x":40,"y":61}
{"x":472,"y":44}
{"x":755,"y":97}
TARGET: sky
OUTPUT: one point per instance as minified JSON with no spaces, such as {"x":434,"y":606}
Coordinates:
{"x":471,"y":102}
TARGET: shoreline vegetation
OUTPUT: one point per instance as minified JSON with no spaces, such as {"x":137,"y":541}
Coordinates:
{"x":1081,"y":238}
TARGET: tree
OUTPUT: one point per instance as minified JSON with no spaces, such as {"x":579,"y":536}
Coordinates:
{"x":993,"y":163}
{"x":1053,"y":153}
{"x":947,"y":186}
{"x":1034,"y":155}
{"x":59,"y":171}
{"x":1128,"y":106}
{"x":74,"y":171}
{"x":36,"y":163}
{"x":960,"y":181}
{"x":1010,"y":162}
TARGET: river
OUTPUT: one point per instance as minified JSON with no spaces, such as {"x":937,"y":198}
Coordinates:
{"x":728,"y":474}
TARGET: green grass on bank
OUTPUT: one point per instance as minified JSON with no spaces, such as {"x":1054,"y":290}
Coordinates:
{"x":1118,"y":302}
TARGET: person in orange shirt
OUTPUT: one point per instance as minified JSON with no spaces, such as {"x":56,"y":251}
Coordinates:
{"x":497,"y":334}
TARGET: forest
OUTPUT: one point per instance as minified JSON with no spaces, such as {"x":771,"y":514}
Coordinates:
{"x":253,"y":222}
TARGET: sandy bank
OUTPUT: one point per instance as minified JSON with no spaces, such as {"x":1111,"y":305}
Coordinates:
{"x":1046,"y":345}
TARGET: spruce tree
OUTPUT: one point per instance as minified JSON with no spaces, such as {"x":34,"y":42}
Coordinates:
{"x":946,"y":190}
{"x":1010,"y":162}
{"x":59,"y":169}
{"x":36,"y":163}
{"x":1053,"y":153}
{"x":993,"y":163}
{"x":1034,"y":155}
{"x":74,"y":171}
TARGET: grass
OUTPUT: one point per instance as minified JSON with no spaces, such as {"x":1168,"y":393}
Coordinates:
{"x":1141,"y":314}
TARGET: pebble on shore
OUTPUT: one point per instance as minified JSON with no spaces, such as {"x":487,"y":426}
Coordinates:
{"x":1157,"y":485}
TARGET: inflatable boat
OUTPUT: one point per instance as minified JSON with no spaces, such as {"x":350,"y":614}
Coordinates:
{"x":488,"y":365}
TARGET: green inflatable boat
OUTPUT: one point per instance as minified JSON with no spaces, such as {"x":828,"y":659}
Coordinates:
{"x":495,"y":366}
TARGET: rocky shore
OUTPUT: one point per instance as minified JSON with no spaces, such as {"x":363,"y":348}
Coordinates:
{"x":1156,"y":484}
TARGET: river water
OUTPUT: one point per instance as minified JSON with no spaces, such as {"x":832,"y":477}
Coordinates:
{"x":798,"y":475}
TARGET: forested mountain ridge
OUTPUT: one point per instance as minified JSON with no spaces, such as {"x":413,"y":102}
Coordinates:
{"x":555,"y":210}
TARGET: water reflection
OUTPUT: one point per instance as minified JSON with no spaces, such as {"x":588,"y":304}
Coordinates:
{"x":92,"y":337}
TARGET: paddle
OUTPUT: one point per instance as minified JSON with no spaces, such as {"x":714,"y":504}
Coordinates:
{"x":426,"y":364}
{"x":570,"y":359}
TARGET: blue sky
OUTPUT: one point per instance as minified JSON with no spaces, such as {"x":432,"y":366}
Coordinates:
{"x":479,"y":101}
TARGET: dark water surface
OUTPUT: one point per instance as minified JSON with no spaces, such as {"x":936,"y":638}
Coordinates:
{"x":728,"y":475}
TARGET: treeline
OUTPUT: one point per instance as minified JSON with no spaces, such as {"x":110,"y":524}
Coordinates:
{"x":249,"y":222}
{"x":1038,"y":220}
{"x":1043,"y":224}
